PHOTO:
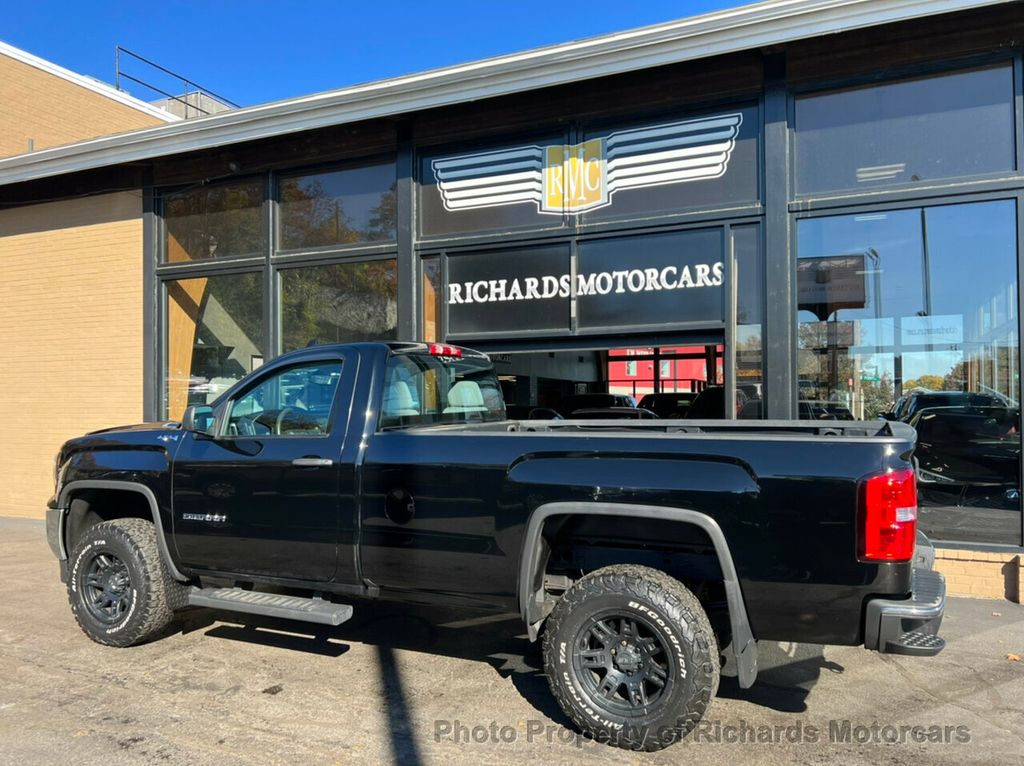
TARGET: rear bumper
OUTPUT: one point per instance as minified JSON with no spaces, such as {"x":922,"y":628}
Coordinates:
{"x":909,"y":625}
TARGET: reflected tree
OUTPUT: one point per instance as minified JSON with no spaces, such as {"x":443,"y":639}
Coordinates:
{"x":214,"y":221}
{"x":315,"y":215}
{"x":344,"y":302}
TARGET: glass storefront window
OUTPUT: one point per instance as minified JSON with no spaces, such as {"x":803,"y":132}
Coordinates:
{"x":433,"y":307}
{"x":912,"y":315}
{"x":214,"y":336}
{"x":339,"y":303}
{"x":338,"y":207}
{"x":746,"y":243}
{"x":218,"y":221}
{"x":945,"y":126}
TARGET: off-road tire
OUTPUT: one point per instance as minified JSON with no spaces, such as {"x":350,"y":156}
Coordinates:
{"x":149,"y":591}
{"x":664,"y":613}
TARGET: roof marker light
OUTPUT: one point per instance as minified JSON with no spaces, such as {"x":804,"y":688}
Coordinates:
{"x":443,"y":349}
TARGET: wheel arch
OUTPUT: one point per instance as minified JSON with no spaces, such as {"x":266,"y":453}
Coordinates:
{"x":79,"y":489}
{"x":533,"y":560}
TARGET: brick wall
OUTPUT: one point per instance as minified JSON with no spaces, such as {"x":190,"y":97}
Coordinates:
{"x":52,"y":111}
{"x":980,"y":574}
{"x":70,"y":333}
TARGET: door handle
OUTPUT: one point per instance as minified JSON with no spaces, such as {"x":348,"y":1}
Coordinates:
{"x":312,"y":462}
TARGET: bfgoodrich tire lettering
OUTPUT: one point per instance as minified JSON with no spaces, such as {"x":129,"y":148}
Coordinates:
{"x":119,"y":589}
{"x":631,"y":657}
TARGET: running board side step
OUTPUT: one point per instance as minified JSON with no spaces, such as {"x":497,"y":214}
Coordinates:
{"x":271,"y":605}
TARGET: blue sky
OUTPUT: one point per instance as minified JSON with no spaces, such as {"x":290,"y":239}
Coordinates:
{"x":257,"y":51}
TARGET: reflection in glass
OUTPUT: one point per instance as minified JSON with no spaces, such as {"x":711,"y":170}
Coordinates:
{"x":339,"y":303}
{"x":214,"y":336}
{"x":218,"y":221}
{"x":338,"y":207}
{"x":433,"y":309}
{"x":912,"y":315}
{"x":746,"y":242}
{"x":945,"y":126}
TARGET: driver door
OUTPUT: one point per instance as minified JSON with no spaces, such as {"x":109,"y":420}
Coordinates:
{"x":263,"y":494}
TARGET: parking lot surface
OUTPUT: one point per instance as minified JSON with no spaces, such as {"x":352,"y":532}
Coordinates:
{"x":414,"y":685}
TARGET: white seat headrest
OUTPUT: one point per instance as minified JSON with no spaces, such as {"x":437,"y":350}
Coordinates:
{"x":465,"y":396}
{"x":398,"y":400}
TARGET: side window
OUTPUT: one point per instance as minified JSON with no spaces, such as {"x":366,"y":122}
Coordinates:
{"x":296,"y":401}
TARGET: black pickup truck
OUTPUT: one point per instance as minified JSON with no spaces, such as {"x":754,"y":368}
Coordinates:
{"x":639,"y":551}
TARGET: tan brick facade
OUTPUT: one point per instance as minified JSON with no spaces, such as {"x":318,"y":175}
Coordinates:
{"x":70,"y":333}
{"x":980,"y":574}
{"x":50,"y":110}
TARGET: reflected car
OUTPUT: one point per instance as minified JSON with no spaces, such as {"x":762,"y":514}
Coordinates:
{"x":750,"y":390}
{"x":968,"y":456}
{"x":908,"y":405}
{"x":530,"y":412}
{"x":598,"y":401}
{"x":668,"y":405}
{"x":613,"y":413}
{"x":806,"y":410}
{"x":824,"y":411}
{"x":710,"y":404}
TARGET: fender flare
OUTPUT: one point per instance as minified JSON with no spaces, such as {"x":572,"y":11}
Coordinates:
{"x":531,"y":569}
{"x":64,"y":501}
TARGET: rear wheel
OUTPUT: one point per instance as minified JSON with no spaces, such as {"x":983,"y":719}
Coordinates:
{"x":631,"y":657}
{"x":119,"y":589}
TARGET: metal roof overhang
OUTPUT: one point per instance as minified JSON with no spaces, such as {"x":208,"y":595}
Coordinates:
{"x":753,"y":26}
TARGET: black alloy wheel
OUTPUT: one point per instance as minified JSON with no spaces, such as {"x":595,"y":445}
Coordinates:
{"x":107,"y":590}
{"x":624,"y":663}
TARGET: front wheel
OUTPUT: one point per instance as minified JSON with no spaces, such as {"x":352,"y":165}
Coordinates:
{"x":631,"y":657}
{"x":119,"y":589}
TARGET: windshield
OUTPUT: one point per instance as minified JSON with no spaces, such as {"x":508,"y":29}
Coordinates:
{"x":422,"y":389}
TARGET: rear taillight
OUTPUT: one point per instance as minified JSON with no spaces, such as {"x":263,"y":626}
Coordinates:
{"x":890,"y":517}
{"x":443,"y":349}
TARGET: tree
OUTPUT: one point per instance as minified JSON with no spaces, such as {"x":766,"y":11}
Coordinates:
{"x":877,"y":396}
{"x":384,"y":218}
{"x":929,"y":382}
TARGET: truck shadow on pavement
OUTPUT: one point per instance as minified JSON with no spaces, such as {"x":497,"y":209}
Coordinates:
{"x":788,"y":672}
{"x":786,"y":675}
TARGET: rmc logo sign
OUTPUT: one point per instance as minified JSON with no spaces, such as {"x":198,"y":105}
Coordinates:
{"x":574,"y":178}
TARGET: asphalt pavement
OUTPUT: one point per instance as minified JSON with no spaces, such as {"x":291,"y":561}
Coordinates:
{"x":417,"y":686}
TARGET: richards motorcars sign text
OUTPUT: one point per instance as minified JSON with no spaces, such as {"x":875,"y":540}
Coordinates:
{"x":596,"y":283}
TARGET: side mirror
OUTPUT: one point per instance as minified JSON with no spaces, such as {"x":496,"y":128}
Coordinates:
{"x":886,"y":416}
{"x":198,"y":418}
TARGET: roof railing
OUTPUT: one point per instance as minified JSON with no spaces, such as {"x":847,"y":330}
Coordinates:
{"x":190,"y":88}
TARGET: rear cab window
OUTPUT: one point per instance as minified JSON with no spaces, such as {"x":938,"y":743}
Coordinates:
{"x":424,"y":389}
